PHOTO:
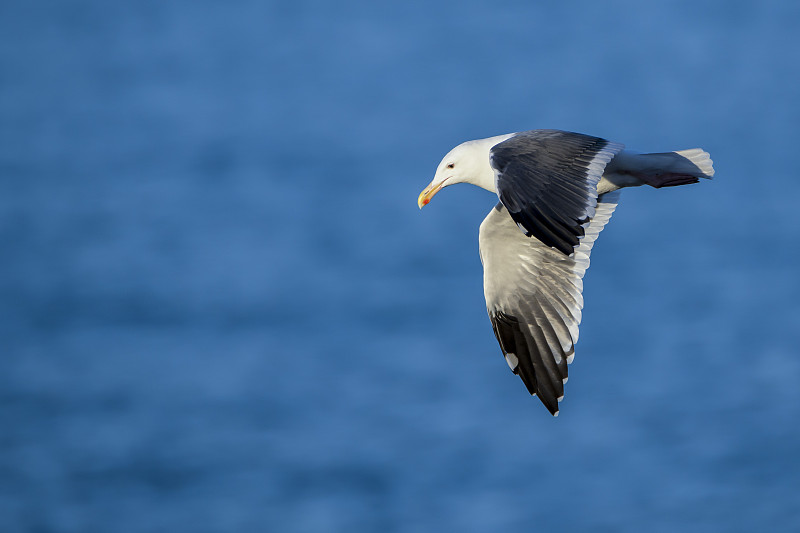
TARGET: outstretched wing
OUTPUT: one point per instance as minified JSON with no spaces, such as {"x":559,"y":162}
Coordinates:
{"x":547,"y":179}
{"x":533,"y":296}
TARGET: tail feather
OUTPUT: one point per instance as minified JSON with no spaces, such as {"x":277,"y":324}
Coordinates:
{"x":666,"y":169}
{"x":670,"y":169}
{"x":700,"y":159}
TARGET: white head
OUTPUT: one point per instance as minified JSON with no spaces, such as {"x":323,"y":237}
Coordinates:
{"x":466,"y":163}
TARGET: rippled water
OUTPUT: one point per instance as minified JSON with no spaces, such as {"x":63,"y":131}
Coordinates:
{"x":220,"y":309}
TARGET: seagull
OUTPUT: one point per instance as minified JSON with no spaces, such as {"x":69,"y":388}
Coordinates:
{"x":557,"y":191}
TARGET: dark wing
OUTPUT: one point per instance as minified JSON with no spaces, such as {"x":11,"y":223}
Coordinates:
{"x":533,"y":296}
{"x":547,"y":179}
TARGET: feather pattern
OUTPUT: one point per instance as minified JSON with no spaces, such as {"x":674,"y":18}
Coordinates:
{"x":547,"y":180}
{"x":533,"y":296}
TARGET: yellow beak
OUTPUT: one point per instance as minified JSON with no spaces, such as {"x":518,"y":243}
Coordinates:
{"x":426,"y":195}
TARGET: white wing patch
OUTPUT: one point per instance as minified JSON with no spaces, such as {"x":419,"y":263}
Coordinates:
{"x":512,"y":361}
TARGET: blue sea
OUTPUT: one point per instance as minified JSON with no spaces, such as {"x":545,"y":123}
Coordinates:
{"x":221,"y":309}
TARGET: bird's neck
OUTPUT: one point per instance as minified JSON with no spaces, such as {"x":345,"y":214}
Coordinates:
{"x":482,"y":173}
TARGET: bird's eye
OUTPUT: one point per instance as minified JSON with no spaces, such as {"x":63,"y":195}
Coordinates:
{"x":451,"y":165}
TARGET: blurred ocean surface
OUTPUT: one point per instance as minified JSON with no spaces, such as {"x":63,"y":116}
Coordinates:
{"x":221,"y":310}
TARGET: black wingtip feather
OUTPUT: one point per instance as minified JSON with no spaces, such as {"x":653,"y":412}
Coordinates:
{"x":531,"y":368}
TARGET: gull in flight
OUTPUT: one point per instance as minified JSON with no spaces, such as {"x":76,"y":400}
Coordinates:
{"x":557,"y":191}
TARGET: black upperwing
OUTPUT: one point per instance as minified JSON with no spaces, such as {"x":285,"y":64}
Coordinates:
{"x":547,"y":179}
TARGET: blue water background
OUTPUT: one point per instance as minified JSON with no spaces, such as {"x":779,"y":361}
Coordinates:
{"x":221,"y":310}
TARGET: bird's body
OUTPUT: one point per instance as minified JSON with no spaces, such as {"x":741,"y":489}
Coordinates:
{"x":557,"y":191}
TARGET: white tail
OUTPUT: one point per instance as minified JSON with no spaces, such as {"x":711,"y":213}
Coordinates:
{"x":700,"y":159}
